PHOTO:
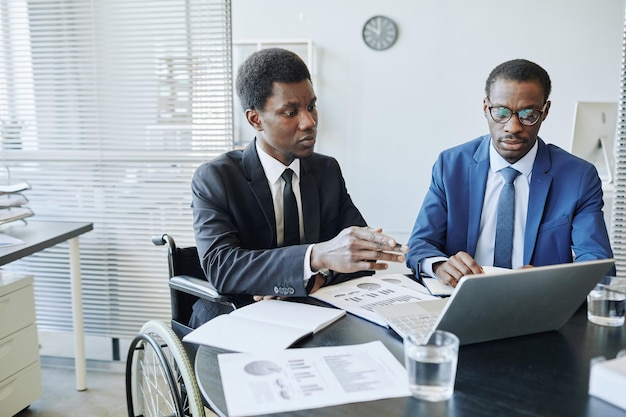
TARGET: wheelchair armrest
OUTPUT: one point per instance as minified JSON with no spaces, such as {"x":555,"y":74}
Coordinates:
{"x":198,"y":287}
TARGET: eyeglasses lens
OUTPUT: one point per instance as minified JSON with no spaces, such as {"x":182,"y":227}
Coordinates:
{"x":526,"y":117}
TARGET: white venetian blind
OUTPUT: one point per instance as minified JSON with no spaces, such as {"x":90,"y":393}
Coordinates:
{"x":106,"y":109}
{"x":618,"y":232}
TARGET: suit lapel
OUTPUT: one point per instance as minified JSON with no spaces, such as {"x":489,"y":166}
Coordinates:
{"x":310,"y":202}
{"x":539,"y":187}
{"x":476,"y":192}
{"x":257,"y":181}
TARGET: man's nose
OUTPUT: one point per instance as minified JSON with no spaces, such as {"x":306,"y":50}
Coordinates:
{"x":307,"y":121}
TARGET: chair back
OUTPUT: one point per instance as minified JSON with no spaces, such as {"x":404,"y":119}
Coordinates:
{"x":183,"y":261}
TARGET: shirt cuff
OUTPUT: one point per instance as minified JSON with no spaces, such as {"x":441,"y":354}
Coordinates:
{"x":426,"y":265}
{"x":307,"y":265}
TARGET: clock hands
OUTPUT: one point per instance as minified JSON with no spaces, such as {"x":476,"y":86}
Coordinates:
{"x":380,"y":33}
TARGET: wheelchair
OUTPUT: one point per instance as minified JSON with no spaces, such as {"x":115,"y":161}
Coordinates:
{"x":160,"y":380}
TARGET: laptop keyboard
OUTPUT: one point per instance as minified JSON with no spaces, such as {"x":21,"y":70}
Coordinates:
{"x":412,"y":323}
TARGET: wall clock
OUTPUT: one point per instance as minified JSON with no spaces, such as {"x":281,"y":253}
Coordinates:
{"x":380,"y":33}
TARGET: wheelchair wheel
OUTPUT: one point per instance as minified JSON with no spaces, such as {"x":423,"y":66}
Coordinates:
{"x":159,"y":377}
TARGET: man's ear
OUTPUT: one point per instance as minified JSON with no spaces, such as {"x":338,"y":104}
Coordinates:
{"x":254,"y":118}
{"x":545,"y":112}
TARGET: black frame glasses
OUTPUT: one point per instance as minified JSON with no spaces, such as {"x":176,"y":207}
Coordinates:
{"x":527,"y":117}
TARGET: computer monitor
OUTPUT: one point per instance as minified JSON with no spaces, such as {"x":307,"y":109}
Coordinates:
{"x":593,"y":136}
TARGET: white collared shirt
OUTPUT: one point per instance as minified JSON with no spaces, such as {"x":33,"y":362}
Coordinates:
{"x":495,"y":182}
{"x":273,"y":170}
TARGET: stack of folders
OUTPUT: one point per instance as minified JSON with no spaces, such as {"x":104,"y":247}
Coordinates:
{"x":13,"y":202}
{"x":607,"y":380}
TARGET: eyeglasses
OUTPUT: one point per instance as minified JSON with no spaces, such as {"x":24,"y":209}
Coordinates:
{"x":527,"y":117}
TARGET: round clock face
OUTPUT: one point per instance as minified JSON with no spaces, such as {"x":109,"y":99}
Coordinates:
{"x":380,"y":33}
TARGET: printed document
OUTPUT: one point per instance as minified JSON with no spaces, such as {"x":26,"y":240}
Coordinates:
{"x":305,"y":378}
{"x":359,"y":296}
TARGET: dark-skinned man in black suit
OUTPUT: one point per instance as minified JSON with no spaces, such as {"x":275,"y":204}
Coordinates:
{"x":237,"y":199}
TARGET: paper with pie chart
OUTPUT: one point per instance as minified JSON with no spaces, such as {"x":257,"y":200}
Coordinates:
{"x":305,"y":378}
{"x":359,"y":296}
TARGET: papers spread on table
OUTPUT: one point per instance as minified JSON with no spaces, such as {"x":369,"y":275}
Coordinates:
{"x":305,"y":378}
{"x":6,"y":240}
{"x":359,"y":296}
{"x":436,"y":287}
{"x":264,"y":325}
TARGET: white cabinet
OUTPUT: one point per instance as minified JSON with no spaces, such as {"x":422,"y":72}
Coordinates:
{"x":20,"y":372}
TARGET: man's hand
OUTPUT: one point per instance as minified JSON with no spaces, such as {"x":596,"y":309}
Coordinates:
{"x":451,"y":271}
{"x":357,"y":249}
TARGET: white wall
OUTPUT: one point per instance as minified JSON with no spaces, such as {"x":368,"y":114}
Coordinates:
{"x":386,"y":115}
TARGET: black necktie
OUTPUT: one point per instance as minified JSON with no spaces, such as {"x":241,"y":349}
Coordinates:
{"x":505,"y":221}
{"x":290,"y":212}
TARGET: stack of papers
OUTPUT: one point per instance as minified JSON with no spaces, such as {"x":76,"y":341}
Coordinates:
{"x":12,"y":202}
{"x":607,"y":381}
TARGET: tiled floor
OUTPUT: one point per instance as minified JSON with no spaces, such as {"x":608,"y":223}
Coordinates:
{"x":105,"y":395}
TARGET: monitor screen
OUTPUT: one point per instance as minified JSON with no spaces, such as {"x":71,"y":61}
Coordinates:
{"x":593,"y":136}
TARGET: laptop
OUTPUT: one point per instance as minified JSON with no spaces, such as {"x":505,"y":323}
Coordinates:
{"x":498,"y":305}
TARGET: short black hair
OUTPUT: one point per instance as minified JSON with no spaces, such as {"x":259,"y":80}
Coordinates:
{"x":260,"y":70}
{"x":520,"y":70}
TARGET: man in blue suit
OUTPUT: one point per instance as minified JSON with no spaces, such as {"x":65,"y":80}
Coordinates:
{"x":239,"y":221}
{"x":557,"y":215}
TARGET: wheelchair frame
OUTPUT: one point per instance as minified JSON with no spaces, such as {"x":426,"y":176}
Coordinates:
{"x":160,"y":380}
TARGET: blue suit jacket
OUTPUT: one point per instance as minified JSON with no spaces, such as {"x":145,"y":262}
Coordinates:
{"x":564,"y":207}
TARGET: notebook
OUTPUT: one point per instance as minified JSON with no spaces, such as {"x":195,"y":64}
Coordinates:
{"x":498,"y":305}
{"x":435,"y":287}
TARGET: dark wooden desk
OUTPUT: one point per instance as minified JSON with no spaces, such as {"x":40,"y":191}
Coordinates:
{"x":545,"y":374}
{"x":40,"y":235}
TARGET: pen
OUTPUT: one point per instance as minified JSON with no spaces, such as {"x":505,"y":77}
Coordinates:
{"x":399,"y":247}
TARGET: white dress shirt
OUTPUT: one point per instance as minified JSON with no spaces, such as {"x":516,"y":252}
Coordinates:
{"x":273,"y":170}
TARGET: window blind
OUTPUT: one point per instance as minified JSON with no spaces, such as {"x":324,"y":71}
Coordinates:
{"x":106,"y":109}
{"x":618,"y":230}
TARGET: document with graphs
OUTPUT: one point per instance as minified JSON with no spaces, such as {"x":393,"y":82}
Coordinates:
{"x":359,"y":296}
{"x":306,"y":378}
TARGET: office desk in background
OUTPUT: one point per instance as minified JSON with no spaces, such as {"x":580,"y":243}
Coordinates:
{"x":40,"y":235}
{"x":545,"y":374}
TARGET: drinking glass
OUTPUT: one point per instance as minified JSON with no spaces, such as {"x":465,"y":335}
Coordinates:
{"x":431,"y":364}
{"x":606,"y":302}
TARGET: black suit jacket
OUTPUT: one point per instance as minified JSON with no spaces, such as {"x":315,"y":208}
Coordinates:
{"x":235,"y":226}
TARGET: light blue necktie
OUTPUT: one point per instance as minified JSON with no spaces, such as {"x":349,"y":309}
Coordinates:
{"x":506,"y":215}
{"x":291,"y":221}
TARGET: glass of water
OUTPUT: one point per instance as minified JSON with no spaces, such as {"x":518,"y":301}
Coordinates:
{"x":431,"y":364}
{"x":606,"y":303}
